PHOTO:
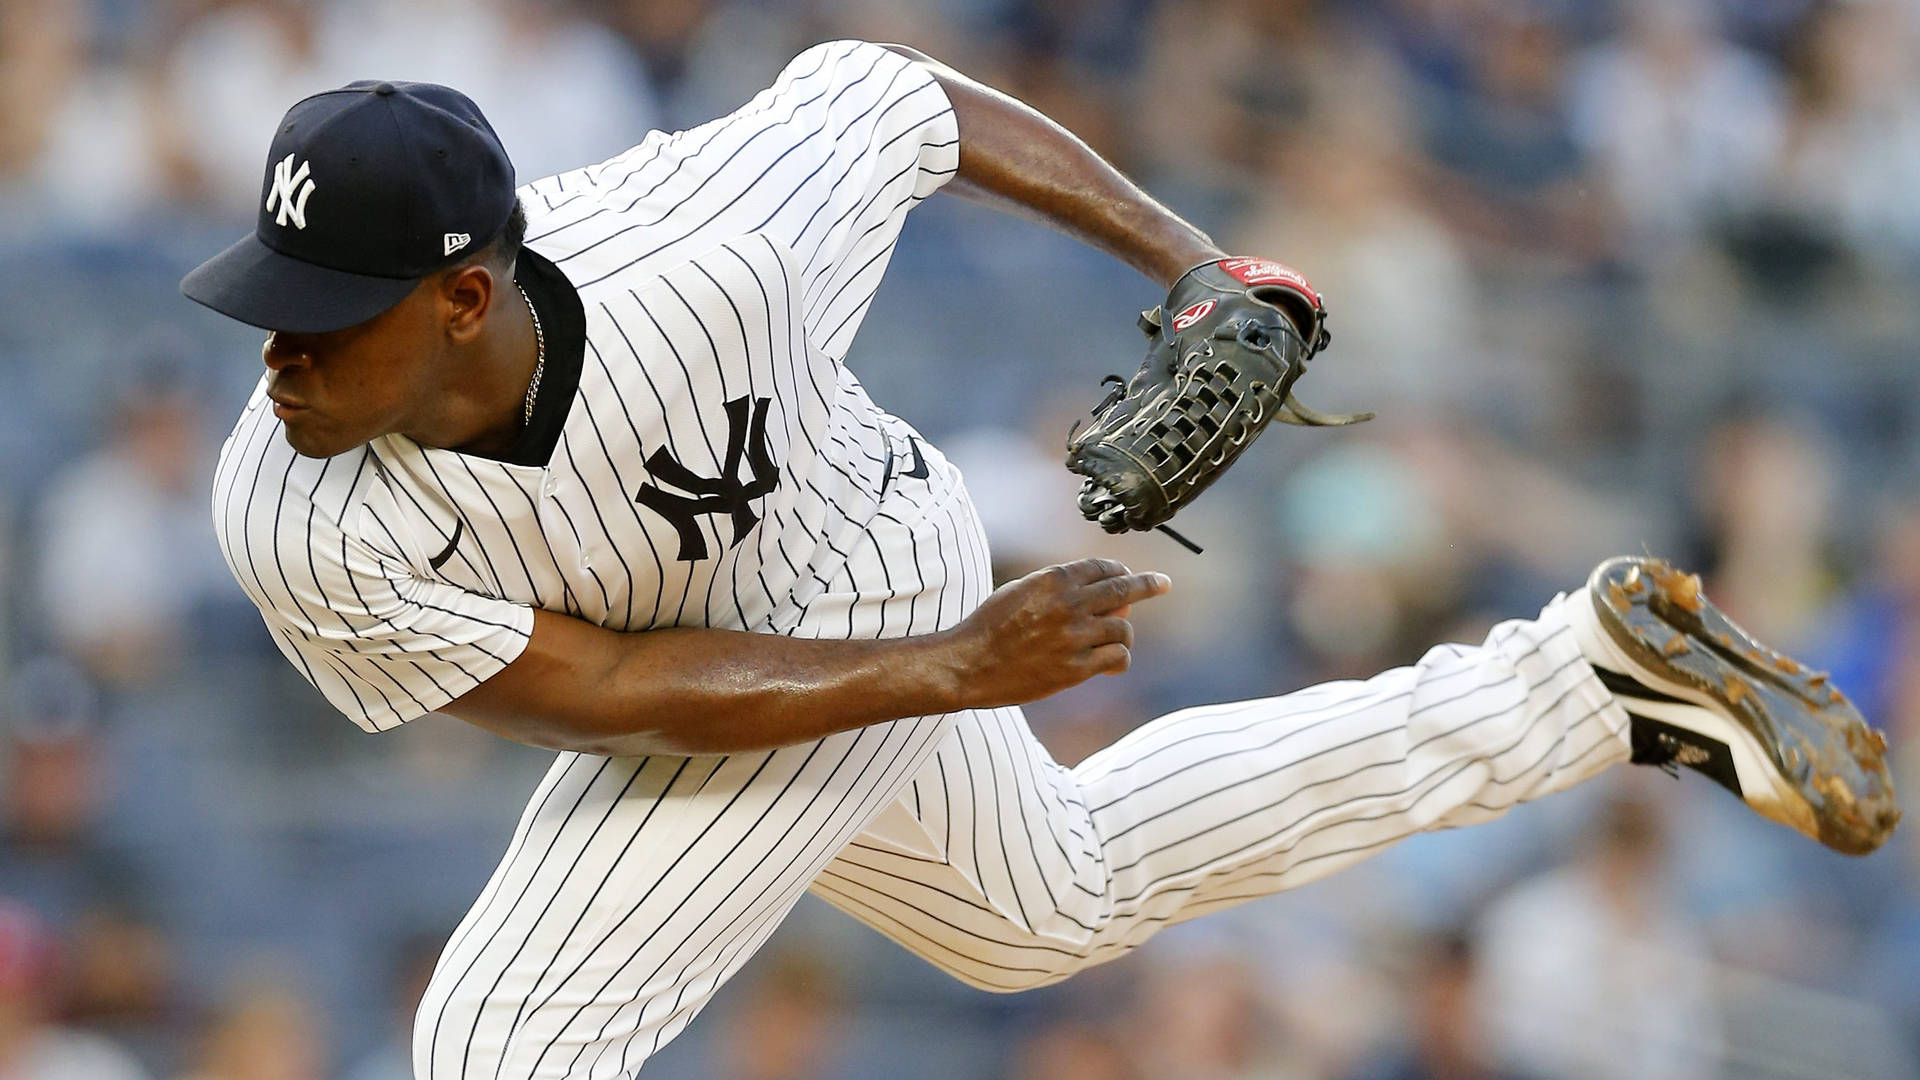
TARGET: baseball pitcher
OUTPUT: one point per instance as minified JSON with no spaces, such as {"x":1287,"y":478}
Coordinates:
{"x":578,"y":462}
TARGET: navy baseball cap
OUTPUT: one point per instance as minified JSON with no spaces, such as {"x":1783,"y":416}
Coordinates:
{"x":369,"y":188}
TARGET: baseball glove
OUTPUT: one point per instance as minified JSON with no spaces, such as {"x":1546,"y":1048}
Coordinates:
{"x":1219,"y":368}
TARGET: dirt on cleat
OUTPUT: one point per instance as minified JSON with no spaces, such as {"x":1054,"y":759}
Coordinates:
{"x":1680,"y":589}
{"x":1833,"y":780}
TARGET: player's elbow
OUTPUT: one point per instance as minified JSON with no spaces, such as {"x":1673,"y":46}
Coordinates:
{"x":521,"y":727}
{"x":563,"y":737}
{"x":603,"y":739}
{"x":694,"y":732}
{"x":646,"y":743}
{"x":545,"y":730}
{"x":665,"y":723}
{"x":907,"y":51}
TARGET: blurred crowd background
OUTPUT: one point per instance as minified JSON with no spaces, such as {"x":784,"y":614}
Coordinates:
{"x":1619,"y":275}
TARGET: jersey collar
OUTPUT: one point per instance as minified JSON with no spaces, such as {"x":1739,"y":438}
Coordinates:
{"x":565,"y":321}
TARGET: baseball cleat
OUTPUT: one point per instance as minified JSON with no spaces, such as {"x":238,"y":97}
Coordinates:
{"x":1702,"y":693}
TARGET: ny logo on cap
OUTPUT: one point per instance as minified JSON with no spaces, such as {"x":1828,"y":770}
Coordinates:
{"x":290,"y":192}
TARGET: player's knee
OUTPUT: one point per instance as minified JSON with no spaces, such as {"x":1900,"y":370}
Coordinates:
{"x":1008,"y":981}
{"x":1013,"y":968}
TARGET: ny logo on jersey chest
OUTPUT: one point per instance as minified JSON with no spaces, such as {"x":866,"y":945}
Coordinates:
{"x":723,"y":494}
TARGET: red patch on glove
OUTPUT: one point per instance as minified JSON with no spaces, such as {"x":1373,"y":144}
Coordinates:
{"x":1193,"y":314}
{"x":1268,"y":272}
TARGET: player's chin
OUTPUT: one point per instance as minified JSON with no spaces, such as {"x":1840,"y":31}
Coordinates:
{"x":311,"y":437}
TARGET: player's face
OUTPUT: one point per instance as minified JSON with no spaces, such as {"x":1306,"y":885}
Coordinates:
{"x":337,"y":390}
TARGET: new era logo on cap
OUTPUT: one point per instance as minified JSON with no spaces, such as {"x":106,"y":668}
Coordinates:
{"x":454,"y":241}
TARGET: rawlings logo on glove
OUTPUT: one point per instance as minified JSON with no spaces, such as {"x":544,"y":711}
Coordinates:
{"x":1193,"y":314}
{"x":1215,"y":375}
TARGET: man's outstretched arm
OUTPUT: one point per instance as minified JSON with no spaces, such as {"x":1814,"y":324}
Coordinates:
{"x":1161,"y":438}
{"x":1015,"y":158}
{"x":582,"y":687}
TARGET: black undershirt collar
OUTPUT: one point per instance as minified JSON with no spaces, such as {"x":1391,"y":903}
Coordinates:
{"x":563,"y":320}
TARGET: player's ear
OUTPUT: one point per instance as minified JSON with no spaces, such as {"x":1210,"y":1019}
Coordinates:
{"x":467,"y":295}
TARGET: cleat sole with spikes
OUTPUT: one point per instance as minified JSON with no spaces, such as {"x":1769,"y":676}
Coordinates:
{"x":1797,"y":749}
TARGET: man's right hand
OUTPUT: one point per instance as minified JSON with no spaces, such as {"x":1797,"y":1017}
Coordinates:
{"x":1055,"y":628}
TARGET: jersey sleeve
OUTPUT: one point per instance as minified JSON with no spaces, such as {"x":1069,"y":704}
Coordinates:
{"x":385,"y":645}
{"x":879,"y":136}
{"x":827,"y":161}
{"x":382,"y":642}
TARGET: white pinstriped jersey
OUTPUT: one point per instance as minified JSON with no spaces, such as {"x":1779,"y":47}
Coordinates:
{"x":716,"y":463}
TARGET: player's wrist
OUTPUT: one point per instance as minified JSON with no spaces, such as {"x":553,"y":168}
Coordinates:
{"x":936,"y":666}
{"x":1172,"y":260}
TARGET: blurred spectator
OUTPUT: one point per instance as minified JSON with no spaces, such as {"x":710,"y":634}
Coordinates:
{"x":413,"y":968}
{"x":1874,"y":651}
{"x":1202,"y":131}
{"x":785,"y":1022}
{"x":1445,"y":1040}
{"x":1510,"y":169}
{"x":1592,"y":972}
{"x":1071,"y":1051}
{"x":1432,"y":40}
{"x":55,"y":858}
{"x":562,"y":92}
{"x":126,"y":556}
{"x":1097,"y":35}
{"x":1874,"y":642}
{"x":52,"y":855}
{"x":1766,"y":554}
{"x":666,"y":35}
{"x":1397,"y":541}
{"x":32,"y":1047}
{"x":1200,"y":1016}
{"x":78,"y":139}
{"x":1852,"y":147}
{"x":121,"y":982}
{"x":40,"y":52}
{"x":1682,"y":124}
{"x":1355,"y":212}
{"x":229,"y":78}
{"x":266,"y":1032}
{"x":1768,"y":26}
{"x":550,"y":63}
{"x":1370,"y":552}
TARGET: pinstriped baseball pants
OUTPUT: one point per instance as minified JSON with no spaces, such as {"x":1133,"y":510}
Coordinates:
{"x":1010,"y":871}
{"x":633,"y":888}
